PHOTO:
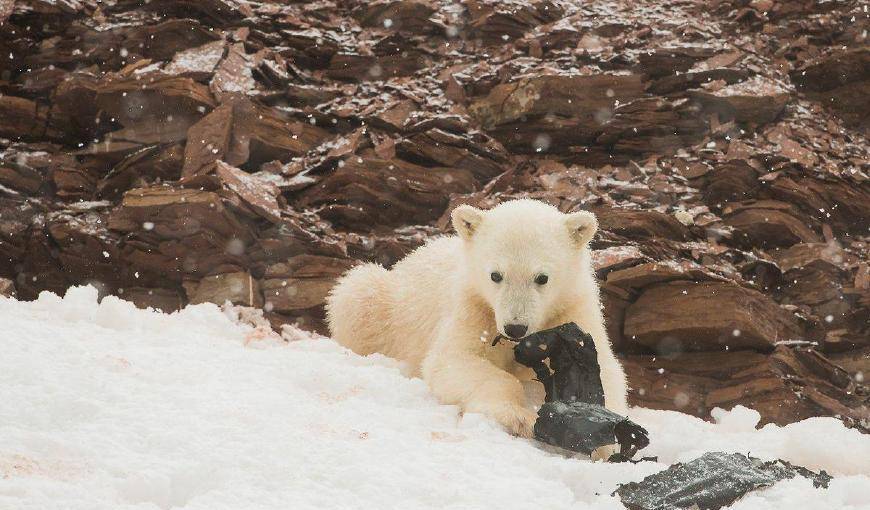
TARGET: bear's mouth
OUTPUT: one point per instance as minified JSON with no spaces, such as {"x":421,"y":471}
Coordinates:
{"x":498,"y":338}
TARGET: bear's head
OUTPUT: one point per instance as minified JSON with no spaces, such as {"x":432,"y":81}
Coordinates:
{"x":526,"y":259}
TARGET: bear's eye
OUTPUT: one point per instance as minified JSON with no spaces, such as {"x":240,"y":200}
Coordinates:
{"x":495,"y":276}
{"x":542,"y":279}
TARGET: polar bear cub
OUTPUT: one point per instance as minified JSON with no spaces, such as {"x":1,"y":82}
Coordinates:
{"x":518,"y":268}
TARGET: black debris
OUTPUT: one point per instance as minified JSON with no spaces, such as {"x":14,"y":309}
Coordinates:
{"x":710,"y":482}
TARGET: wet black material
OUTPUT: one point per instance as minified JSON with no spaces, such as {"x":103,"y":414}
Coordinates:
{"x":710,"y":482}
{"x":575,"y":376}
{"x":582,"y":427}
{"x":574,"y":416}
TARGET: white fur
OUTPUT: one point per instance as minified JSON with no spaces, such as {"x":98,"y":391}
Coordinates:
{"x":438,"y":309}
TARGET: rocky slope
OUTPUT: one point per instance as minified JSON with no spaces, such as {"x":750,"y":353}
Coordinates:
{"x":177,"y":151}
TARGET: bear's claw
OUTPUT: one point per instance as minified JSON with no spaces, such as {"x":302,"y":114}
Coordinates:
{"x":517,"y":419}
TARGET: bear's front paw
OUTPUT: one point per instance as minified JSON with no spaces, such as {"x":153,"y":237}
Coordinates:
{"x":603,"y":453}
{"x":517,"y":419}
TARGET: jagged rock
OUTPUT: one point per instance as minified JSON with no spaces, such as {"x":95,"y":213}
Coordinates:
{"x":730,"y":181}
{"x":843,"y":203}
{"x":24,"y":171}
{"x":6,"y":7}
{"x":841,"y":81}
{"x":440,"y":148}
{"x":642,"y":275}
{"x":142,"y":168}
{"x":245,"y":134}
{"x":403,"y":15}
{"x":753,"y":101}
{"x":790,"y":385}
{"x":239,"y":288}
{"x":233,"y":75}
{"x":587,"y":100}
{"x":354,"y":67}
{"x":153,"y":98}
{"x":85,"y":247}
{"x":256,"y":192}
{"x":660,"y":62}
{"x":694,"y":79}
{"x":22,"y":119}
{"x":7,"y":288}
{"x":768,"y":224}
{"x":495,"y":23}
{"x":216,"y":11}
{"x":357,"y":194}
{"x":639,"y":224}
{"x":172,"y":232}
{"x":302,"y":282}
{"x":197,"y":63}
{"x":165,"y":300}
{"x":708,"y":316}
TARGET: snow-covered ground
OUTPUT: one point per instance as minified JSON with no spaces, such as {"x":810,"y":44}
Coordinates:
{"x":106,"y":406}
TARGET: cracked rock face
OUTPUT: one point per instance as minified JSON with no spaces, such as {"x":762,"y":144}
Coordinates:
{"x":173,"y":152}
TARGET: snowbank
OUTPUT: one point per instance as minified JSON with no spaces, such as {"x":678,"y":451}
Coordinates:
{"x":108,"y":406}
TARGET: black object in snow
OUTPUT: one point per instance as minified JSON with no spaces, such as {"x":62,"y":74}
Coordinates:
{"x":582,"y":427}
{"x":574,"y":416}
{"x":710,"y":482}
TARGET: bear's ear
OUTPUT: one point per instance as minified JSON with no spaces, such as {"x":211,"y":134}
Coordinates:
{"x":582,"y":226}
{"x":465,"y":220}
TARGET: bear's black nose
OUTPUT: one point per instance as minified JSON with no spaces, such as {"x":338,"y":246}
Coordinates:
{"x":515,"y":330}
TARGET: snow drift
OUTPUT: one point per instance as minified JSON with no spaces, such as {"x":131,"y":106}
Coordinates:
{"x":108,"y":406}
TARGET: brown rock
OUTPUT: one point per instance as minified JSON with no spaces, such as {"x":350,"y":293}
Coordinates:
{"x":788,"y":386}
{"x":404,"y":15}
{"x":7,"y":288}
{"x":639,"y":224}
{"x":660,"y":62}
{"x":615,"y":301}
{"x":708,"y":316}
{"x":843,"y":203}
{"x":238,"y":288}
{"x":730,"y":181}
{"x":589,"y":98}
{"x":352,"y":67}
{"x":856,"y":363}
{"x":6,"y":8}
{"x":695,"y":79}
{"x":767,"y":224}
{"x":164,"y":208}
{"x":263,"y":134}
{"x":208,"y":141}
{"x":84,"y":247}
{"x":197,"y":63}
{"x":171,"y":233}
{"x":142,"y":168}
{"x":440,"y":148}
{"x":753,"y":101}
{"x":367,"y":192}
{"x":616,"y":257}
{"x":642,"y":275}
{"x":259,"y":194}
{"x":302,"y":282}
{"x":21,"y":119}
{"x":221,"y":12}
{"x":165,"y":300}
{"x":152,"y":98}
{"x":496,"y":23}
{"x":233,"y":75}
{"x":841,"y":81}
{"x":23,"y":171}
